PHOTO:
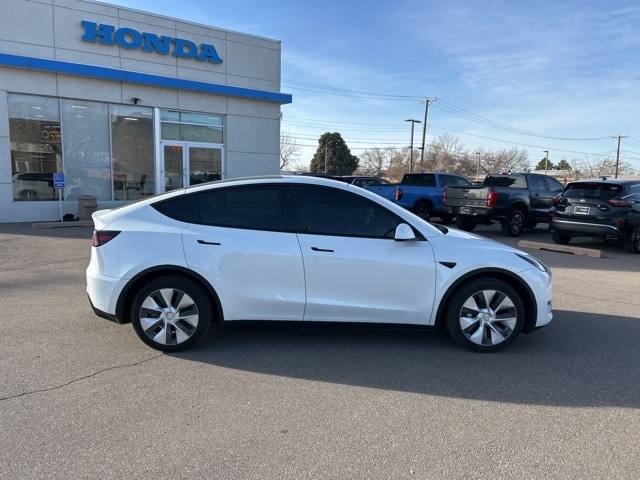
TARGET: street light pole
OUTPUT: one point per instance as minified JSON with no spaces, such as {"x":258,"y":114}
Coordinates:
{"x":546,"y":160}
{"x":478,"y":169}
{"x":413,"y":122}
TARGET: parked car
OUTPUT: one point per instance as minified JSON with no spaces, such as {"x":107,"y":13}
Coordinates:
{"x":515,"y":200}
{"x":602,"y":208}
{"x":33,"y":186}
{"x":301,"y":248}
{"x":364,"y":181}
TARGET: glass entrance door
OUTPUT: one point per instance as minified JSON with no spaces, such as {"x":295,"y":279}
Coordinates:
{"x":187,"y":164}
{"x":173,"y":159}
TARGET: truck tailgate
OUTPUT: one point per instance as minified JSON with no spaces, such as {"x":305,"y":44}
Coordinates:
{"x":465,"y":196}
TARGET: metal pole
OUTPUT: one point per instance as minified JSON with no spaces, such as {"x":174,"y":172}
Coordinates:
{"x":413,"y":122}
{"x":546,"y":160}
{"x":424,"y":126}
{"x":478,"y":169}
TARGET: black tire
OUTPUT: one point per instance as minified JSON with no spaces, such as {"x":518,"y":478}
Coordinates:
{"x":633,"y":244}
{"x":464,"y":223}
{"x":423,"y":210}
{"x":513,"y":226}
{"x":171,"y":313}
{"x":446,"y":217}
{"x":560,"y":238}
{"x":485,"y":315}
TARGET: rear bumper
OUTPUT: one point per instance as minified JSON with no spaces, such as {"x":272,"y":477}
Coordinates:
{"x":587,"y":229}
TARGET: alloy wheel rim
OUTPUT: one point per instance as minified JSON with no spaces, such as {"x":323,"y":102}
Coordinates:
{"x":169,"y":316}
{"x":488,"y":318}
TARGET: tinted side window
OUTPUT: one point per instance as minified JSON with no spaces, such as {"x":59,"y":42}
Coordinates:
{"x":554,"y":185}
{"x":427,"y":179}
{"x":184,"y":208}
{"x":259,"y":207}
{"x":333,"y":212}
{"x":536,"y":182}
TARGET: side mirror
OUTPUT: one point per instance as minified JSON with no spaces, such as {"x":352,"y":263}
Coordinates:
{"x":404,"y":232}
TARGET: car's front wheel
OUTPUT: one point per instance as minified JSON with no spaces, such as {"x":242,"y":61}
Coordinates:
{"x":633,"y":244}
{"x":171,"y":313}
{"x":485,"y":315}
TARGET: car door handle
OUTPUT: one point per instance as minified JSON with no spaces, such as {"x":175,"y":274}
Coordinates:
{"x":316,"y":249}
{"x":204,"y":242}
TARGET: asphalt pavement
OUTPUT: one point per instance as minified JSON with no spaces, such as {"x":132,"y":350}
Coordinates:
{"x":81,"y":397}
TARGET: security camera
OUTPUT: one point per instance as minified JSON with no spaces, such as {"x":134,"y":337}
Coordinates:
{"x":135,"y":100}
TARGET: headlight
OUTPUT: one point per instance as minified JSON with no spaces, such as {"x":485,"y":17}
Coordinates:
{"x":534,"y":261}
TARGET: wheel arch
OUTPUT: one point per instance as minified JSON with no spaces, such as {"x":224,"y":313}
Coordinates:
{"x":129,"y":291}
{"x":514,"y":281}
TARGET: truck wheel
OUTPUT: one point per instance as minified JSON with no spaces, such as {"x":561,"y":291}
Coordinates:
{"x":514,"y":224}
{"x":446,"y":217}
{"x":423,"y":210}
{"x":465,"y":224}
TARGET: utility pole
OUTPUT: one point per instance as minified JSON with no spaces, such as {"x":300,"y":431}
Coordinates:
{"x":546,"y":160}
{"x":424,"y":126}
{"x":478,"y":169}
{"x":413,"y":122}
{"x":619,"y":137}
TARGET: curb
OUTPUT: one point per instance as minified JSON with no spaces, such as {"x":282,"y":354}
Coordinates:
{"x":588,"y":252}
{"x":79,"y":223}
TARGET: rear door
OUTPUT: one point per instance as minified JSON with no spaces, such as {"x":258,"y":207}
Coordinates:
{"x":241,"y":245}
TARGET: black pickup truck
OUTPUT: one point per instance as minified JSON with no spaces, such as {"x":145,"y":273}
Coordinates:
{"x":515,"y":200}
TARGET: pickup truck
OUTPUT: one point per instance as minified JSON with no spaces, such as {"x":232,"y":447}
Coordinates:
{"x":421,"y":193}
{"x":515,"y":200}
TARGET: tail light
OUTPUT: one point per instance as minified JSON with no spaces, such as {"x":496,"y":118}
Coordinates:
{"x":398,"y":194}
{"x":492,"y":198}
{"x":557,"y":198}
{"x":103,"y":236}
{"x":618,"y":202}
{"x":444,"y":196}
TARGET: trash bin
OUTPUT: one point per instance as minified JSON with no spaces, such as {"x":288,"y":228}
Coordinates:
{"x":86,"y":206}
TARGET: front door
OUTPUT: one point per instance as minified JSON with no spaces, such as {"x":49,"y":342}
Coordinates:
{"x":185,"y":164}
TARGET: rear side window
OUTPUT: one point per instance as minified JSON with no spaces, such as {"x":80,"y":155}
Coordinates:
{"x":427,"y":180}
{"x":258,"y":207}
{"x":515,"y":181}
{"x":603,"y":191}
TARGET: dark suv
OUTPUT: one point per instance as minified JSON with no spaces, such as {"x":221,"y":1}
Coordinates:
{"x":603,"y":208}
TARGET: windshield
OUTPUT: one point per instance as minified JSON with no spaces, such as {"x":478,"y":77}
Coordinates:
{"x":604,"y":191}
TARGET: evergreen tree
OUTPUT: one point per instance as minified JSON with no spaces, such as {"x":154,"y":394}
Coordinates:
{"x":333,"y":156}
{"x":545,"y":164}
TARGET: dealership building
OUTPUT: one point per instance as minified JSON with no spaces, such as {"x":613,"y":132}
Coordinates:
{"x":108,"y":105}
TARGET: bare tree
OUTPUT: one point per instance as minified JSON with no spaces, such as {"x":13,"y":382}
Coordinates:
{"x":375,"y":161}
{"x":289,"y":151}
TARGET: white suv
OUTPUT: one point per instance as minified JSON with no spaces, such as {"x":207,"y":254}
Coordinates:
{"x":301,"y":248}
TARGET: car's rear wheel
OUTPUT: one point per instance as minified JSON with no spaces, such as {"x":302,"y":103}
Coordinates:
{"x":514,"y":224}
{"x":171,"y":313}
{"x":423,"y":210}
{"x":560,"y":238}
{"x":633,"y":244}
{"x":485,"y":315}
{"x":465,"y":224}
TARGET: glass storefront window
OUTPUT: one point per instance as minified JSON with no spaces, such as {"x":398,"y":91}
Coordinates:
{"x":87,"y":163}
{"x":36,"y":153}
{"x":133,"y":156}
{"x":191,"y":127}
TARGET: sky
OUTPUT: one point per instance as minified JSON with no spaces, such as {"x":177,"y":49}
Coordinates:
{"x":561,"y":76}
